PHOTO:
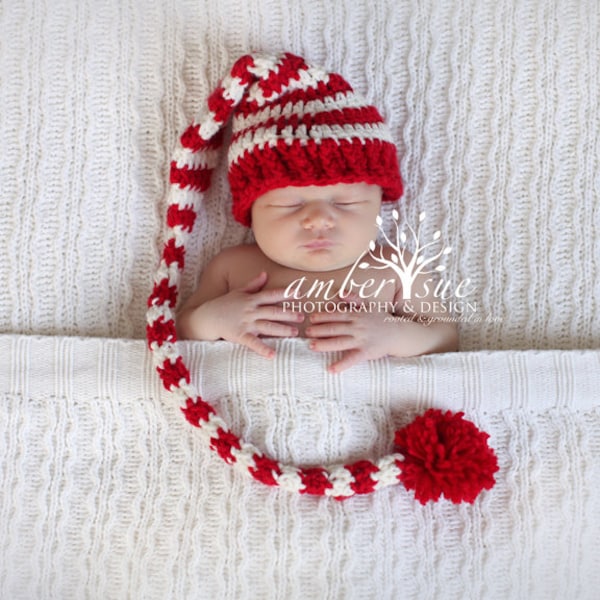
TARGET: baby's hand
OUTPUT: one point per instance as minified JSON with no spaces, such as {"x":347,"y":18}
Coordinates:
{"x":359,"y":335}
{"x":243,"y":315}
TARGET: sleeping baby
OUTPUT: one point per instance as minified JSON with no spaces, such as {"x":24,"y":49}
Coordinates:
{"x":310,"y":164}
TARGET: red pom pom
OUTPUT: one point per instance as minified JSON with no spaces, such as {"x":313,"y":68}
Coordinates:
{"x":445,"y":455}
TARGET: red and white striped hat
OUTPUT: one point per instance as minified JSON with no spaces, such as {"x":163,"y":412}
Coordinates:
{"x":297,"y":125}
{"x":292,"y":124}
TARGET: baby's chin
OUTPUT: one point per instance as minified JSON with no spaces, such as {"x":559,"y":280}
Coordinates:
{"x":325,"y":260}
{"x":319,"y":266}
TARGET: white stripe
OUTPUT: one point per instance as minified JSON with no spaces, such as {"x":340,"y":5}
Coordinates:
{"x":388,"y":471}
{"x":340,"y":101}
{"x":205,"y":159}
{"x":341,"y":479}
{"x":309,"y":78}
{"x":179,"y":235}
{"x":209,"y":127}
{"x":184,"y":393}
{"x":290,"y":479}
{"x":183,"y":196}
{"x":168,"y":351}
{"x":349,"y":131}
{"x":252,"y":141}
{"x":188,"y":391}
{"x":244,"y":457}
{"x":234,"y":89}
{"x":213,"y":425}
{"x":154,"y":313}
{"x":170,"y":273}
{"x":263,"y":65}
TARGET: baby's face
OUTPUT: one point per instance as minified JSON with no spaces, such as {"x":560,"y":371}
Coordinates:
{"x":316,"y":228}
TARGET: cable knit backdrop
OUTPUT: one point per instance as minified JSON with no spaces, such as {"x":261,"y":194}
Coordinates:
{"x":107,"y":493}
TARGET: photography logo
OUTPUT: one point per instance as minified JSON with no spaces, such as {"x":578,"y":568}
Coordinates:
{"x":418,"y":272}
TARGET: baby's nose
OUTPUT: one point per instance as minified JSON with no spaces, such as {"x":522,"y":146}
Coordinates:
{"x":317,"y":215}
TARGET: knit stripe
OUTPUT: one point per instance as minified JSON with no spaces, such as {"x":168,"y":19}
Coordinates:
{"x":273,"y":79}
{"x":312,"y":85}
{"x":206,"y":135}
{"x":314,"y":481}
{"x":220,"y":105}
{"x":194,"y":178}
{"x":296,"y":118}
{"x":269,"y":136}
{"x":207,"y":159}
{"x":173,"y":253}
{"x":297,"y":104}
{"x":178,"y":216}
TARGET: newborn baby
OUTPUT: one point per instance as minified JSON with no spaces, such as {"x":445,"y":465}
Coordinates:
{"x":309,"y":165}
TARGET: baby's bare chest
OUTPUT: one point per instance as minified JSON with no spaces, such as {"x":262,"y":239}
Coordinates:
{"x":369,"y":285}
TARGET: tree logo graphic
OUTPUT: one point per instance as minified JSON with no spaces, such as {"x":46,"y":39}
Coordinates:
{"x":420,"y":263}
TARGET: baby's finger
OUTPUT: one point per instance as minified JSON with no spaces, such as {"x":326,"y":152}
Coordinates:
{"x":330,"y":317}
{"x":273,"y":296}
{"x":275,"y":312}
{"x":256,"y":284}
{"x":257,"y":345}
{"x":350,"y":358}
{"x":275,"y":329}
{"x":328,"y":329}
{"x":333,"y":344}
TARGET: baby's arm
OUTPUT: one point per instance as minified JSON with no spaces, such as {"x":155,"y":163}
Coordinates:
{"x":240,"y":315}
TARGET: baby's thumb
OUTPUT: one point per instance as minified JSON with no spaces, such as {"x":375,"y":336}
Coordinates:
{"x":256,"y":284}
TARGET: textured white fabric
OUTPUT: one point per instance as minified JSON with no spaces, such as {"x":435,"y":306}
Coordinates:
{"x":108,"y":493}
{"x":493,"y":105}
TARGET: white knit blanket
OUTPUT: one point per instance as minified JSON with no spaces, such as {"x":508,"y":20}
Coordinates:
{"x":493,"y":105}
{"x":108,"y":493}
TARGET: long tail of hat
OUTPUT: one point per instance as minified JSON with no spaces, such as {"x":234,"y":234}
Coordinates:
{"x":442,"y":454}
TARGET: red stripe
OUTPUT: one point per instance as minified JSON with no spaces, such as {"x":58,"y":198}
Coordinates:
{"x":330,"y":162}
{"x":315,"y":481}
{"x":334,"y":86}
{"x":197,"y":411}
{"x":264,"y":469}
{"x":219,"y":105}
{"x":184,"y":217}
{"x":162,"y":294}
{"x":288,"y":70}
{"x":323,"y":90}
{"x":361,"y":472}
{"x":172,"y":373}
{"x":174,"y":254}
{"x":241,"y":69}
{"x":196,"y":178}
{"x":161,"y":331}
{"x":223,"y":443}
{"x":191,"y":140}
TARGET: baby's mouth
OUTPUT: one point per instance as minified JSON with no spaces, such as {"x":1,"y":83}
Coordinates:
{"x":318,"y":244}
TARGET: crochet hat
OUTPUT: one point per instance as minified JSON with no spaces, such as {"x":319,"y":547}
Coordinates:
{"x":292,"y":124}
{"x":297,"y":125}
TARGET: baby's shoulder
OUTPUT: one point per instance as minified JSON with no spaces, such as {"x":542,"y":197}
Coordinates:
{"x":237,"y":261}
{"x":243,"y":253}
